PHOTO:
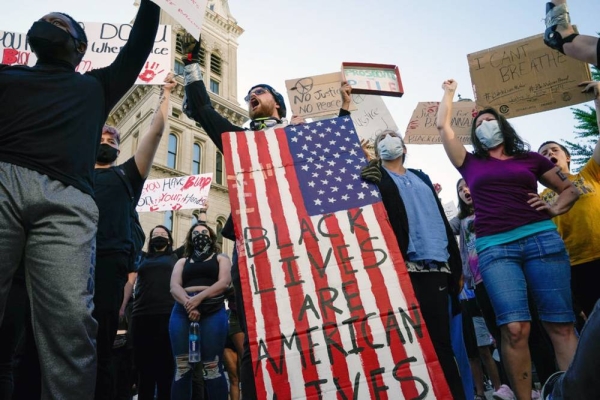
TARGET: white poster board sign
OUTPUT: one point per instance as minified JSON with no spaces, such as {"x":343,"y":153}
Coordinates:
{"x":105,"y":40}
{"x":174,"y":194}
{"x":189,"y":13}
{"x":450,"y":210}
{"x":371,"y":117}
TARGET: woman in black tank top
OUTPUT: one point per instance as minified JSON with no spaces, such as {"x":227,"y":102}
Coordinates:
{"x":197,"y":284}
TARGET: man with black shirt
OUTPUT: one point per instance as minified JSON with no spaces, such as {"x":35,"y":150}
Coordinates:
{"x":51,"y":118}
{"x":114,"y":241}
{"x":266,"y":108}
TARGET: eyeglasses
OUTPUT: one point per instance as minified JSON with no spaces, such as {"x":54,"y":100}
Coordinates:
{"x":256,"y":92}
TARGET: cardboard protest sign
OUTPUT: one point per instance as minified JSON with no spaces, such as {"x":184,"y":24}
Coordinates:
{"x":105,"y":40}
{"x":378,"y":79}
{"x":189,"y":13}
{"x":422,"y":127}
{"x":371,"y":117}
{"x":526,"y":77}
{"x":181,"y":193}
{"x":315,"y":96}
{"x":329,"y":306}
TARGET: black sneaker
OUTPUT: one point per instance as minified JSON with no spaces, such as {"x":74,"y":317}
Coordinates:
{"x":550,"y":383}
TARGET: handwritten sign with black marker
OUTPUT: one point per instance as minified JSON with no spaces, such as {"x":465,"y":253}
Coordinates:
{"x":178,"y":193}
{"x":105,"y":41}
{"x":526,"y":77}
{"x":315,"y":96}
{"x":331,"y":313}
{"x":422,"y":127}
{"x":371,"y":117}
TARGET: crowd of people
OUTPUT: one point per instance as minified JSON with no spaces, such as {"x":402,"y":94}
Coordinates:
{"x":522,"y":269}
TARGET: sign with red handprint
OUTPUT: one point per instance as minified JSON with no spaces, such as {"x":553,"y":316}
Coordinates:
{"x":179,"y":193}
{"x":105,"y":41}
{"x":422,"y":127}
{"x":189,"y":13}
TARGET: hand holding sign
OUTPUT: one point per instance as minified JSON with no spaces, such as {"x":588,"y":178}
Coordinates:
{"x":346,"y":92}
{"x":591,"y":87}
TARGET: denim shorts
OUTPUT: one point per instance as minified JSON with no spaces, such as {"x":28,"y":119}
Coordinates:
{"x":538,"y":263}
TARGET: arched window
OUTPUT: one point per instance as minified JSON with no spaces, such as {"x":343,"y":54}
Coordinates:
{"x":219,"y":168}
{"x":214,"y":86}
{"x":196,"y":159}
{"x":220,"y":225}
{"x":172,"y":151}
{"x":184,"y":43}
{"x":179,"y":67}
{"x":215,"y":64}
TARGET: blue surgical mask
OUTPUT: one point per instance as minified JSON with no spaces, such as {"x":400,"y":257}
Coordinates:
{"x":390,"y":148}
{"x":489,"y":134}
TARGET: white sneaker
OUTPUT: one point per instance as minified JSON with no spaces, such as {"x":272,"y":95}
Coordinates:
{"x":535,"y":395}
{"x":504,"y":393}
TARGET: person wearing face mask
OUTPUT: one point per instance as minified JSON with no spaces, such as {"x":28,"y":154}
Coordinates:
{"x":426,"y":242}
{"x":518,"y":246}
{"x":150,"y":317}
{"x":580,"y":227}
{"x":51,"y":118}
{"x":266,"y":108}
{"x":198,"y":283}
{"x":114,"y":244}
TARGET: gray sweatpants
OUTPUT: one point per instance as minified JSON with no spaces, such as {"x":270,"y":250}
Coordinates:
{"x":53,"y":227}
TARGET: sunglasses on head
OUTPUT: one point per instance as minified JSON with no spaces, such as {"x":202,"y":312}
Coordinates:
{"x":256,"y":92}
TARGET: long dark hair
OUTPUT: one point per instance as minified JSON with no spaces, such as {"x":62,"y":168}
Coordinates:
{"x":188,"y":247}
{"x":513,"y":144}
{"x":169,"y":249}
{"x":464,"y":210}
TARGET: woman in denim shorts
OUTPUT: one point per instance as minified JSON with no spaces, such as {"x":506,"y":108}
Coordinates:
{"x":517,"y":243}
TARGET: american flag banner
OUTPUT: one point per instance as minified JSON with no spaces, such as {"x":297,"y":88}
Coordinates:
{"x":330,"y":310}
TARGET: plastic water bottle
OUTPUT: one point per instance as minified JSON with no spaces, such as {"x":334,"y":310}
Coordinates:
{"x":194,"y":342}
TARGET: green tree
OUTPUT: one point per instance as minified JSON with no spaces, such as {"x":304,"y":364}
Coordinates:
{"x":586,"y":131}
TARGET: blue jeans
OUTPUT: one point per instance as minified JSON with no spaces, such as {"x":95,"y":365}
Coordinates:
{"x":539,"y":263}
{"x":213,"y":334}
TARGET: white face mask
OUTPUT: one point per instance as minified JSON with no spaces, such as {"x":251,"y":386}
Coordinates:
{"x":489,"y":134}
{"x":390,"y":148}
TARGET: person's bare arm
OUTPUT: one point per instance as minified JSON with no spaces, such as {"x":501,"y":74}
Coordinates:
{"x":454,"y":148}
{"x":215,"y":289}
{"x":177,"y":290}
{"x":144,"y":155}
{"x":567,"y":193}
{"x":127,"y":291}
{"x":594,"y":87}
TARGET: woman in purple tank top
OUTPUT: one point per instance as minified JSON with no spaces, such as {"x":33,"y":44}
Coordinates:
{"x":517,"y":244}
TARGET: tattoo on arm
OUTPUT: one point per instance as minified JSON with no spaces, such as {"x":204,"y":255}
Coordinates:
{"x":561,"y":175}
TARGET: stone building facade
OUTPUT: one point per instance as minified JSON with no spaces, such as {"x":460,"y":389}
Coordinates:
{"x":185,"y":149}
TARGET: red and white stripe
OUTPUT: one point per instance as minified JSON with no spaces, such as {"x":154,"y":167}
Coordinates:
{"x":264,"y":192}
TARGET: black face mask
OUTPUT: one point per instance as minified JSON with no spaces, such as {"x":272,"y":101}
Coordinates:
{"x":48,"y":41}
{"x":107,"y":154}
{"x":202,"y":247}
{"x":159,"y":242}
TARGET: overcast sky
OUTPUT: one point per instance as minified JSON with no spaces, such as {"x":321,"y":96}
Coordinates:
{"x":428,"y":40}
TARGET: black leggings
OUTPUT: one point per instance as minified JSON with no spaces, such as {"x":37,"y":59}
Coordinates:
{"x":431,"y":290}
{"x":153,"y":356}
